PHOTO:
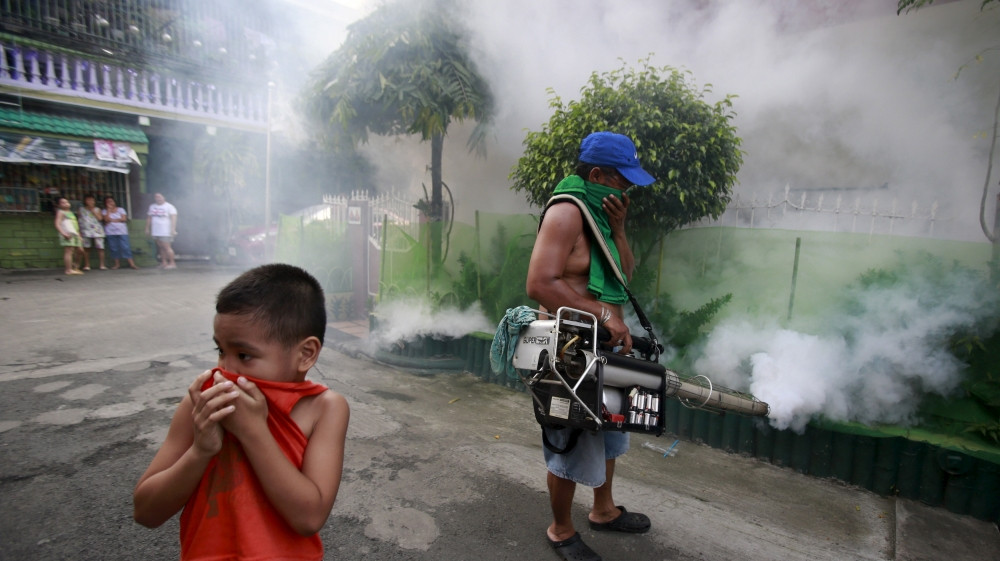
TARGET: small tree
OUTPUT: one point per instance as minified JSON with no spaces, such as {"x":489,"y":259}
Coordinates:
{"x":404,"y":69}
{"x":687,"y":143}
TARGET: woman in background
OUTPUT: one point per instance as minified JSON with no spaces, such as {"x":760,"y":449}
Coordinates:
{"x":116,"y":229}
{"x":91,"y":230}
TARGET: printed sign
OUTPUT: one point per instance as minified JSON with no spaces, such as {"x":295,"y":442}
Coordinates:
{"x":97,"y":154}
{"x":354,"y":215}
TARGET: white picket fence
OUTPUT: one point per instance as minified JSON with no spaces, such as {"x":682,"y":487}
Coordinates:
{"x":872,"y":213}
{"x":838,"y":212}
{"x":387,"y":208}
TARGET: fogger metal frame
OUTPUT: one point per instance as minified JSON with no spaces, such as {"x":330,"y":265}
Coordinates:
{"x":575,"y":383}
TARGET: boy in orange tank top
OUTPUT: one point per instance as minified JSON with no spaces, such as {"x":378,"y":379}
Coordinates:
{"x":254,"y":453}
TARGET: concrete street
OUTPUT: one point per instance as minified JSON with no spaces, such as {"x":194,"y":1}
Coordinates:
{"x":439,"y":466}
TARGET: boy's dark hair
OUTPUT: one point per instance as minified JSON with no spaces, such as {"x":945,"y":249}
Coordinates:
{"x":286,"y":300}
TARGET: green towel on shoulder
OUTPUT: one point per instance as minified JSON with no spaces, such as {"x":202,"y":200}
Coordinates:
{"x":603,"y":282}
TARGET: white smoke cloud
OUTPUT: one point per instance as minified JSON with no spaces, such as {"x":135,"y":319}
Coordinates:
{"x":407,"y":319}
{"x":829,"y":95}
{"x":883,"y":350}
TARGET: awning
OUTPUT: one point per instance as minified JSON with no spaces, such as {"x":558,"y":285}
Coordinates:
{"x":69,"y":142}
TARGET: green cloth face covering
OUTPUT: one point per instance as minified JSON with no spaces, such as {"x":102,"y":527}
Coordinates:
{"x":603,"y":283}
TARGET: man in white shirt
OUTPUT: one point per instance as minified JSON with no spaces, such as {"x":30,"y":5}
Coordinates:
{"x":161,"y":223}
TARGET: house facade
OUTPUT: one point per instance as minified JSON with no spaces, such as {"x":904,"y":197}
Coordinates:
{"x":111,"y":98}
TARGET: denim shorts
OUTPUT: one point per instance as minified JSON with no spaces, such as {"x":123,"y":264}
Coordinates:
{"x":118,"y":246}
{"x":585,"y":463}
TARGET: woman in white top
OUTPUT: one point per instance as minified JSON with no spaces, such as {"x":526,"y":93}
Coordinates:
{"x":161,"y":224}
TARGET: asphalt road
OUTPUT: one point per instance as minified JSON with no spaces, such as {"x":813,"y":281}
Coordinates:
{"x":439,"y":466}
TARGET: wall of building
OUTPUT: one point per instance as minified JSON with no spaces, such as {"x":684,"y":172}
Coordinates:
{"x":30,"y":241}
{"x":181,"y":69}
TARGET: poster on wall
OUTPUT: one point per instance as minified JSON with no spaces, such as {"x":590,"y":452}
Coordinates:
{"x":104,"y":155}
{"x":354,"y":215}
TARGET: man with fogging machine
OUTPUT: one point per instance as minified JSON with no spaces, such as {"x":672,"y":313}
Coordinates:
{"x":566,"y":269}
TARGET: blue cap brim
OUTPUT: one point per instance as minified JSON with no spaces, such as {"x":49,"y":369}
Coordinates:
{"x":636,"y":176}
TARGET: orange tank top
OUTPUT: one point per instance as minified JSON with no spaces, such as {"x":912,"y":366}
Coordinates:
{"x":229,"y":517}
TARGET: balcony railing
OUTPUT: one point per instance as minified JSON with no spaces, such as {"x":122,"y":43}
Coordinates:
{"x":163,"y":95}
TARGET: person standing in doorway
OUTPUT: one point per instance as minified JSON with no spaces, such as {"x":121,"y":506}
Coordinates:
{"x":161,"y":224}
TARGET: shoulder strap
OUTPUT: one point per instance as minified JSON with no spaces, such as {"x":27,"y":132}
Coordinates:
{"x":595,"y":234}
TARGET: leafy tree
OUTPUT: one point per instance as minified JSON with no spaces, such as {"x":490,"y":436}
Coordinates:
{"x":684,"y":141}
{"x":405,"y":69}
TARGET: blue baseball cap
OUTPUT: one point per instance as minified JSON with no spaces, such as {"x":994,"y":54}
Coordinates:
{"x":617,"y":151}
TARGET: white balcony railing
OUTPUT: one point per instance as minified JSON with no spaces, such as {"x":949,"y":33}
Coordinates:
{"x":36,"y":70}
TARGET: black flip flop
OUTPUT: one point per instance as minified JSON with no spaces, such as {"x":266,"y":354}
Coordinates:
{"x":573,"y":549}
{"x":628,"y":522}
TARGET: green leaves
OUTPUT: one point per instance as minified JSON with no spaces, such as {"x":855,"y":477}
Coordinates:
{"x":404,"y":69}
{"x":684,"y":141}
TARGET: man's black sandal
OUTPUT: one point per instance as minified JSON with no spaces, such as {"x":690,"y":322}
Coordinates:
{"x":628,"y":522}
{"x":573,"y":549}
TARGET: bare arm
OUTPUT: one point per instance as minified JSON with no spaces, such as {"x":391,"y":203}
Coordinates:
{"x":303,"y":498}
{"x":173,"y":224}
{"x":547,"y":281}
{"x":193,"y":439}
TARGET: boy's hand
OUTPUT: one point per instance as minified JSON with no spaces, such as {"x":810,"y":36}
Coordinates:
{"x":210,"y":407}
{"x":251,"y":409}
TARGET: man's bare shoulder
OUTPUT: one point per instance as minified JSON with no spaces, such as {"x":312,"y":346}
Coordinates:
{"x":563,"y":215}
